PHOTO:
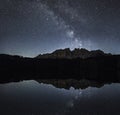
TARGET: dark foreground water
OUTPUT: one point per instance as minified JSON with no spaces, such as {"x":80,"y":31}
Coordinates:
{"x":33,"y":98}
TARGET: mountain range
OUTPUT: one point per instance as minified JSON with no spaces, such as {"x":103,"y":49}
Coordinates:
{"x":76,"y":53}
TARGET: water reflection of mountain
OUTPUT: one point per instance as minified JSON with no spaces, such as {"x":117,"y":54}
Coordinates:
{"x":67,"y":83}
{"x":33,"y":98}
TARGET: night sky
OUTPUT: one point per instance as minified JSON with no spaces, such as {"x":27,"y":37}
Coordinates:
{"x":31,"y":27}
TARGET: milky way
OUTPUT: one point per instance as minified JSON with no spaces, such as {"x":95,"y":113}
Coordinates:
{"x":31,"y":27}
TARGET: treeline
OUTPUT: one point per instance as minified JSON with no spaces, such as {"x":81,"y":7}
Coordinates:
{"x":102,"y":69}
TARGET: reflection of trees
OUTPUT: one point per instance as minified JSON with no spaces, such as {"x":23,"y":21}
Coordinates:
{"x":67,"y":83}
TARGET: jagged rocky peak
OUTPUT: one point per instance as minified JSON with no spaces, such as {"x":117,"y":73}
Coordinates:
{"x":67,"y":50}
{"x":76,"y":53}
{"x":62,"y":53}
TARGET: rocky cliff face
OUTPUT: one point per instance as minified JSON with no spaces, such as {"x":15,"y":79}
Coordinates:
{"x":76,"y":53}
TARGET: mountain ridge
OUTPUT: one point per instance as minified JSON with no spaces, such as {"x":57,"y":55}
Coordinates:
{"x":71,"y":54}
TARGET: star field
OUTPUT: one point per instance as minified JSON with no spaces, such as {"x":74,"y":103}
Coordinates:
{"x":31,"y":27}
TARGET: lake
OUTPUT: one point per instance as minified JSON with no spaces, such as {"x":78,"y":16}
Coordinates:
{"x":34,"y":98}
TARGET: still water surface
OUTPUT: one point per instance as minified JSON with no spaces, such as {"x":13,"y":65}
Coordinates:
{"x":33,"y":98}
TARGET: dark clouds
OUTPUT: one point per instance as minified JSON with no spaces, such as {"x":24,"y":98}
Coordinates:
{"x":30,"y":27}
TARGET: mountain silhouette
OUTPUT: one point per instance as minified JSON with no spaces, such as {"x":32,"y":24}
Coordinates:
{"x":76,"y":53}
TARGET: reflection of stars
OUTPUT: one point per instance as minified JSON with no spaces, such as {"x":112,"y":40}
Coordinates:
{"x":71,"y":104}
{"x":76,"y":95}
